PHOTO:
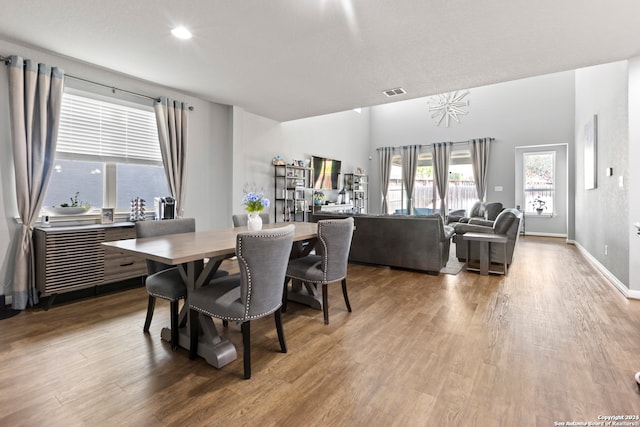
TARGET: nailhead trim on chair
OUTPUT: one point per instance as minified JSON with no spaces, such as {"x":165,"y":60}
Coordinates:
{"x":164,"y":297}
{"x":235,"y":319}
{"x":324,"y":252}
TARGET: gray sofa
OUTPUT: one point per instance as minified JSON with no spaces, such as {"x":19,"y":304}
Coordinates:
{"x":507,"y":223}
{"x":412,"y":242}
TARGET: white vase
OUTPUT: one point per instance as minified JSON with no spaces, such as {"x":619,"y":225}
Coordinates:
{"x":254,"y":222}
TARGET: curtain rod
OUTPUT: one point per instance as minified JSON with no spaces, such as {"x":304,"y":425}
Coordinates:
{"x":7,"y":61}
{"x":434,"y":143}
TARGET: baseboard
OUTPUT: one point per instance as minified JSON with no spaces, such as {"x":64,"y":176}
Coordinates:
{"x":628,"y":293}
{"x":537,"y":234}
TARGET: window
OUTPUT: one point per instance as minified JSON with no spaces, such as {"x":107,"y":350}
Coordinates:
{"x":395,"y":195}
{"x":461,"y":193}
{"x":539,"y":176}
{"x":107,"y":152}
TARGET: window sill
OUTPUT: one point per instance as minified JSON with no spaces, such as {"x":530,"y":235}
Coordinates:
{"x":537,"y":215}
{"x":91,"y":217}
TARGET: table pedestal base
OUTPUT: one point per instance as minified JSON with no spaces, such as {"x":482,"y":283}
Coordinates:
{"x":215,"y":349}
{"x":305,"y":294}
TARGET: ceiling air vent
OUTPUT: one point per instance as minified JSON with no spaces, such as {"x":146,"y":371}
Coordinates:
{"x":394,"y":92}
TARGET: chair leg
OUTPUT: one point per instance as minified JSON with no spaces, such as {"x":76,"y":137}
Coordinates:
{"x":344,"y":293}
{"x":175,"y":328}
{"x":325,"y":303}
{"x":285,"y":294}
{"x":283,"y":343}
{"x":194,"y":332}
{"x":150,"y":306}
{"x":245,"y":327}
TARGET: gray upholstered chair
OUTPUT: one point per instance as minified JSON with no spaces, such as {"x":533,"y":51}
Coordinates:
{"x":240,"y":220}
{"x":253,"y":293}
{"x":164,"y":281}
{"x":507,"y":224}
{"x":329,"y":264}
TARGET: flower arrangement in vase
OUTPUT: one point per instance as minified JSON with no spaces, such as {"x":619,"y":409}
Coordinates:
{"x":318,"y":198}
{"x":254,"y":202}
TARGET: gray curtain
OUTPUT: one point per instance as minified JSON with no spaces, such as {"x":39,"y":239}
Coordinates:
{"x":172,"y":119}
{"x":35,"y":94}
{"x":480,"y":162}
{"x":384,"y":155}
{"x":409,"y":168}
{"x":441,"y":156}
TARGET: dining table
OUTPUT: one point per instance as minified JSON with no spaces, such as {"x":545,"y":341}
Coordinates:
{"x":198,"y":256}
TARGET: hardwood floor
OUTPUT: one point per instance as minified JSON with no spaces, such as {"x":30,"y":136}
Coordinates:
{"x":553,"y":341}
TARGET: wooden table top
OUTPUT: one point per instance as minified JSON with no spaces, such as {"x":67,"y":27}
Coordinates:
{"x":176,"y":249}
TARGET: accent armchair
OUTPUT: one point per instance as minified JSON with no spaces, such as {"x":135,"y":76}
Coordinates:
{"x":507,"y":223}
{"x":487,"y":211}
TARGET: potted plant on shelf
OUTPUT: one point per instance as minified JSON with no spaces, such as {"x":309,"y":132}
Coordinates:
{"x":539,"y":205}
{"x":73,"y":208}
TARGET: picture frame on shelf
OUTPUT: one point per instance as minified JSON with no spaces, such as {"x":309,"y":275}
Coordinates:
{"x":107,"y":215}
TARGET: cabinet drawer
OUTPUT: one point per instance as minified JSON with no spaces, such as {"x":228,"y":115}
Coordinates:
{"x":123,"y":267}
{"x":119,"y":233}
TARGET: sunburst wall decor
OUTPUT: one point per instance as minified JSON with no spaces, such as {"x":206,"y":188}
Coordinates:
{"x":449,"y":106}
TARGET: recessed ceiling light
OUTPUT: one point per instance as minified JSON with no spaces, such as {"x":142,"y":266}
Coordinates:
{"x":181,"y":33}
{"x":394,"y":92}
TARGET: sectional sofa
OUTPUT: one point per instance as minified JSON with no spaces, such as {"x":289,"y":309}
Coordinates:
{"x":411,"y":242}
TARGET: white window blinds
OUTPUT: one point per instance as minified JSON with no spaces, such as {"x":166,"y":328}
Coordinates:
{"x":92,"y":129}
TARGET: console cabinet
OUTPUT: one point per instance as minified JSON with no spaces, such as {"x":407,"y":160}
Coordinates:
{"x":72,"y":258}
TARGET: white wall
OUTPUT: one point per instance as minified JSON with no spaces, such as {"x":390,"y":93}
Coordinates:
{"x":634,"y":174}
{"x":533,"y":111}
{"x":256,"y":140}
{"x":602,"y":214}
{"x":208,"y":159}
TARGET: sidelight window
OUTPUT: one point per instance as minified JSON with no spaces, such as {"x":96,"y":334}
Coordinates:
{"x":539,"y":179}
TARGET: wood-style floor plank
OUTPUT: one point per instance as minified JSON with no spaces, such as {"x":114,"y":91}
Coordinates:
{"x":552,"y":341}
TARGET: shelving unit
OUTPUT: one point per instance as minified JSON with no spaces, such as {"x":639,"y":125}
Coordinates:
{"x":357,"y":190}
{"x":293,"y":193}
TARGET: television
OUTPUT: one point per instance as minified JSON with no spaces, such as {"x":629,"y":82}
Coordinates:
{"x":325,"y":173}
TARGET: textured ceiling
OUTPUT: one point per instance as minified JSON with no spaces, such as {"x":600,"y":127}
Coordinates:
{"x":288,"y":59}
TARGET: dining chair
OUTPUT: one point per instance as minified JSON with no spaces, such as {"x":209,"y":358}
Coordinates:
{"x":240,"y":220}
{"x":255,"y":292}
{"x":164,"y":281}
{"x":328,"y":265}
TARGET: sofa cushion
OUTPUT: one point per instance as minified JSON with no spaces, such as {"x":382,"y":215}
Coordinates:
{"x":491,"y":210}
